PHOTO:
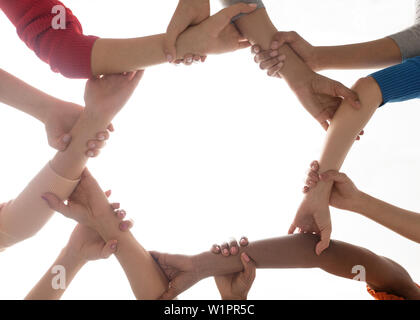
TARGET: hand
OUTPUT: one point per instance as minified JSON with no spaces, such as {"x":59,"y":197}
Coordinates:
{"x":344,"y":193}
{"x":217,"y":34}
{"x":230,"y":248}
{"x":187,"y":13}
{"x":313,"y":216}
{"x":59,"y":121}
{"x":237,"y":285}
{"x":87,"y":245}
{"x":322,"y":97}
{"x":105,"y":96}
{"x":88,"y":204}
{"x":180,"y":271}
{"x":271,"y":61}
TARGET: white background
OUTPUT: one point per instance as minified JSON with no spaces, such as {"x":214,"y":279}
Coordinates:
{"x":214,"y":150}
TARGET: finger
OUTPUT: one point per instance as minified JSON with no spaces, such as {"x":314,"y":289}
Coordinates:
{"x":347,"y":94}
{"x":95,"y":144}
{"x":244,"y":44}
{"x":249,"y":269}
{"x":333,"y":175}
{"x":196,"y":58}
{"x":56,"y":204}
{"x":108,"y":193}
{"x":275,"y":71}
{"x":324,"y":243}
{"x":314,"y":166}
{"x":102,"y":136}
{"x":63,"y":142}
{"x":324,"y":124}
{"x":216,"y":249}
{"x":265,"y":55}
{"x":306,"y":189}
{"x":109,"y":248}
{"x":244,"y":242}
{"x":255,"y":49}
{"x":92,"y":153}
{"x":126,"y":225}
{"x":111,"y":128}
{"x":225,"y":16}
{"x":115,"y":205}
{"x":203,"y":58}
{"x":188,"y":59}
{"x":268,"y":64}
{"x":120,"y":214}
{"x":234,"y":247}
{"x":225,"y":249}
{"x":179,"y":22}
{"x":292,"y":228}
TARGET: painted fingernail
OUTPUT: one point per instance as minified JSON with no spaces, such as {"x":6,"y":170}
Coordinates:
{"x":122,"y":214}
{"x":243,"y":241}
{"x":169,"y":58}
{"x":233,"y":250}
{"x":245,"y":256}
{"x":189,"y":60}
{"x":101,"y":137}
{"x":92,"y":145}
{"x":256,"y":49}
{"x":66,"y":138}
{"x":113,"y":246}
{"x":90,"y":154}
{"x":274,"y":53}
{"x":225,"y":251}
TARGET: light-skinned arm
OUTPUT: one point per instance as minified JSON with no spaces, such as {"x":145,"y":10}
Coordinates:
{"x":89,"y":206}
{"x":28,"y":213}
{"x":346,"y":196}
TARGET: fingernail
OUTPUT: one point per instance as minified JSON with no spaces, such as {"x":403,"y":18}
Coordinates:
{"x":233,"y":250}
{"x":253,"y":5}
{"x":245,"y":256}
{"x":275,"y":45}
{"x":121,"y":214}
{"x":92,"y":145}
{"x":66,"y":138}
{"x":169,"y":58}
{"x":189,"y":60}
{"x":90,"y":154}
{"x":256,"y":49}
{"x":225,"y":251}
{"x":101,"y":137}
{"x":274,"y":53}
{"x":113,"y":246}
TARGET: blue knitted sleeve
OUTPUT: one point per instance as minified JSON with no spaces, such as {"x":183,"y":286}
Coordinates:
{"x":400,"y":82}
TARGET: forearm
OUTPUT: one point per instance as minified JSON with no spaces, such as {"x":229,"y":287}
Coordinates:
{"x":122,"y":55}
{"x":297,"y":251}
{"x":403,"y":222}
{"x":28,"y":213}
{"x":368,"y":55}
{"x":258,"y":29}
{"x":51,"y":286}
{"x":22,"y":96}
{"x":144,"y":275}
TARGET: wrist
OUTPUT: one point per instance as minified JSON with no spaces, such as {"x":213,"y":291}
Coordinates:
{"x":318,"y":59}
{"x":72,"y":257}
{"x":361,"y":201}
{"x":200,"y":264}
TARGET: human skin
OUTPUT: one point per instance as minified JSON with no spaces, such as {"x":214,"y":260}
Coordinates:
{"x":90,"y":207}
{"x":292,"y":251}
{"x":346,"y":196}
{"x":57,"y":115}
{"x":23,"y":217}
{"x":313,"y":214}
{"x":214,"y":35}
{"x":318,"y":94}
{"x":375,"y":54}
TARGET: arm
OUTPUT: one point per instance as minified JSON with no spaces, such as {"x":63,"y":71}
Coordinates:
{"x":58,"y":116}
{"x":75,"y":55}
{"x":83,"y":246}
{"x":345,"y":195}
{"x":295,"y":251}
{"x":28,"y":213}
{"x":90,"y":207}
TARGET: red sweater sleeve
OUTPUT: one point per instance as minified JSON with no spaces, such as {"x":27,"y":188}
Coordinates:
{"x":67,"y":51}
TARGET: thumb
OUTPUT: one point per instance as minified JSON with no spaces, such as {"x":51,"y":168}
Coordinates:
{"x":349,"y":95}
{"x":178,"y":24}
{"x":324,"y":243}
{"x":249,"y":268}
{"x":109,"y":248}
{"x":56,"y":203}
{"x":333,"y":175}
{"x":225,"y":16}
{"x":292,"y":228}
